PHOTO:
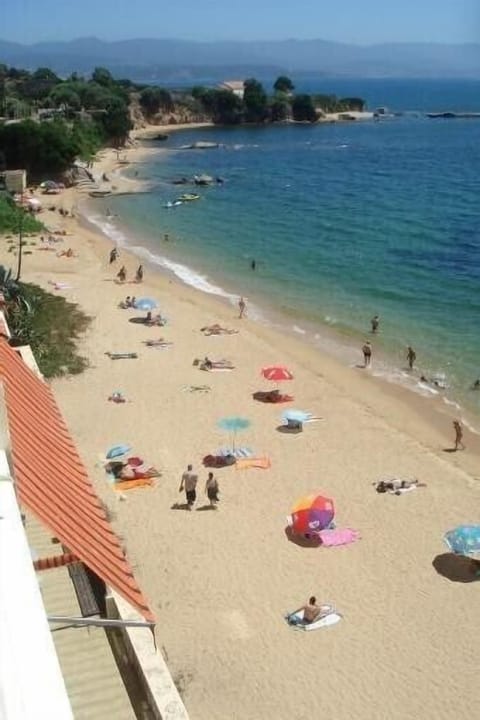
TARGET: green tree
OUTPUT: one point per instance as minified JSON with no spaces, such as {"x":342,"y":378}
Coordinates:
{"x":227,"y":108}
{"x":303,"y":109}
{"x":353,"y":103}
{"x":116,"y":121}
{"x":103,"y":77}
{"x":255,"y":101}
{"x":64,"y":94}
{"x":152,"y":99}
{"x":283,"y":84}
{"x":279,"y":108}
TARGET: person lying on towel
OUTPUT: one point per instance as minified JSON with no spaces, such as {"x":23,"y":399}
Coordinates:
{"x":123,"y":471}
{"x":208,"y":364}
{"x":217,"y":329}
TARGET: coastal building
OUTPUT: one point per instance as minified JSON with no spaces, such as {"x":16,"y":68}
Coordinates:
{"x":237,"y":87}
{"x":77,"y":631}
{"x":14,"y":181}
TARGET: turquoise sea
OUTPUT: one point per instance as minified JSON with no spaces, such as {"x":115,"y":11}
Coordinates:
{"x":344,"y":221}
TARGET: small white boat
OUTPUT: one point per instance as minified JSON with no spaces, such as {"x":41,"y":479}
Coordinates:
{"x":171,"y":204}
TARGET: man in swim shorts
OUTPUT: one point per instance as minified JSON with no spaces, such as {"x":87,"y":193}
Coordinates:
{"x":189,"y":484}
{"x":311,"y":611}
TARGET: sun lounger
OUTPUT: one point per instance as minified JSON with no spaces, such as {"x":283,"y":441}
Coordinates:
{"x":263,"y":463}
{"x":122,"y":356}
{"x":132,"y":484}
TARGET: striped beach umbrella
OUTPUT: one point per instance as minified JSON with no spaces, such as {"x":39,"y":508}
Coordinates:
{"x":312,"y":513}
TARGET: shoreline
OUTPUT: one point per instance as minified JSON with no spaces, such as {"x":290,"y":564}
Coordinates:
{"x":221,"y":581}
{"x":341,"y":347}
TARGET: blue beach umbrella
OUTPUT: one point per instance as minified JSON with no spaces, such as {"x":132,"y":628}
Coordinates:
{"x":464,"y":539}
{"x":145,"y":303}
{"x":233,"y":424}
{"x":117,"y":451}
{"x":296,"y":415}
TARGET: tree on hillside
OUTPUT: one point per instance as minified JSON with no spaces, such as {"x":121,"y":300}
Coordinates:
{"x":225,"y":106}
{"x":116,"y":121}
{"x":102,"y":76}
{"x":64,"y":94}
{"x":303,"y":109}
{"x":255,"y":101}
{"x":353,"y":103}
{"x":152,"y":99}
{"x":283,"y":84}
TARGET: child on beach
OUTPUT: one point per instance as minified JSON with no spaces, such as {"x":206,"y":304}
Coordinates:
{"x":122,"y":274}
{"x":139,"y":274}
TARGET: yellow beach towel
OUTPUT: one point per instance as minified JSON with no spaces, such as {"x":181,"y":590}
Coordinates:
{"x":263,"y":463}
{"x":131,"y":484}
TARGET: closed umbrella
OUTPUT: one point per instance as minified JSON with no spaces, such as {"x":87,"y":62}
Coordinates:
{"x":233,"y":424}
{"x":145,"y":303}
{"x":311,"y":514}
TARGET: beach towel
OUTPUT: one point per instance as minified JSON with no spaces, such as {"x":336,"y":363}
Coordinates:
{"x":241,"y":452}
{"x":263,"y":463}
{"x":338,"y":536}
{"x":132,"y":484}
{"x":122,"y":356}
{"x":330,"y":617}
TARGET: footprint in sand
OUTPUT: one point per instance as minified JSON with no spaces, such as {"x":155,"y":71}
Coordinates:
{"x":236,"y":623}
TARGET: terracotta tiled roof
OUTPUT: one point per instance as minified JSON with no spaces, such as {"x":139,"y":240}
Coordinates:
{"x":52,"y":481}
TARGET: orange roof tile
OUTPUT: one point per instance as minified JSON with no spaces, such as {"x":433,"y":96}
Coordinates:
{"x":53,"y":483}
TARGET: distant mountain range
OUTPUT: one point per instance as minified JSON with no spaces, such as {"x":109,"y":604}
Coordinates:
{"x":168,"y":59}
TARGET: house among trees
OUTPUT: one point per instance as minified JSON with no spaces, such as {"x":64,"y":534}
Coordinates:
{"x":237,"y":87}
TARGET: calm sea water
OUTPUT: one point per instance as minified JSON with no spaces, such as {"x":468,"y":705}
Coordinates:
{"x":344,"y":221}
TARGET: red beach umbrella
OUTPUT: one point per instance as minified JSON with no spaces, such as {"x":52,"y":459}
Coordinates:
{"x":277,"y":373}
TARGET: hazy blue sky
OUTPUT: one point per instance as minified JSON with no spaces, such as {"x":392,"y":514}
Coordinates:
{"x":359,"y":21}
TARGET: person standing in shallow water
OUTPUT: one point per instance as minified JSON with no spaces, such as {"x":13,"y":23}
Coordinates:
{"x":242,"y":307}
{"x":375,"y":322}
{"x":367,"y":354}
{"x":457,"y":425}
{"x":411,"y":356}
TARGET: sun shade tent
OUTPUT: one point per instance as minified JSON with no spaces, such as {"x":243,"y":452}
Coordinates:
{"x":52,"y":481}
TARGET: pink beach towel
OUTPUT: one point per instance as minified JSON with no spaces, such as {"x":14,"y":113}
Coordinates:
{"x":338,"y":536}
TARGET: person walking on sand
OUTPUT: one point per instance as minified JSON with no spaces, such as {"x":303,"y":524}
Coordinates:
{"x":211,"y":490}
{"x":189,"y":484}
{"x":139,"y":274}
{"x":113,"y":255}
{"x":458,"y":435}
{"x":367,"y":354}
{"x":242,"y":307}
{"x":375,"y":322}
{"x":122,"y":274}
{"x":411,"y":356}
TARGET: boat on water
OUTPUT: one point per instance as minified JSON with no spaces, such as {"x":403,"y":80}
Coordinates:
{"x":175,"y":203}
{"x":188,"y":197}
{"x":99,"y":193}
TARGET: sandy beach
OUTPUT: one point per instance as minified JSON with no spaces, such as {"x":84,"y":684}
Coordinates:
{"x":221,"y":581}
